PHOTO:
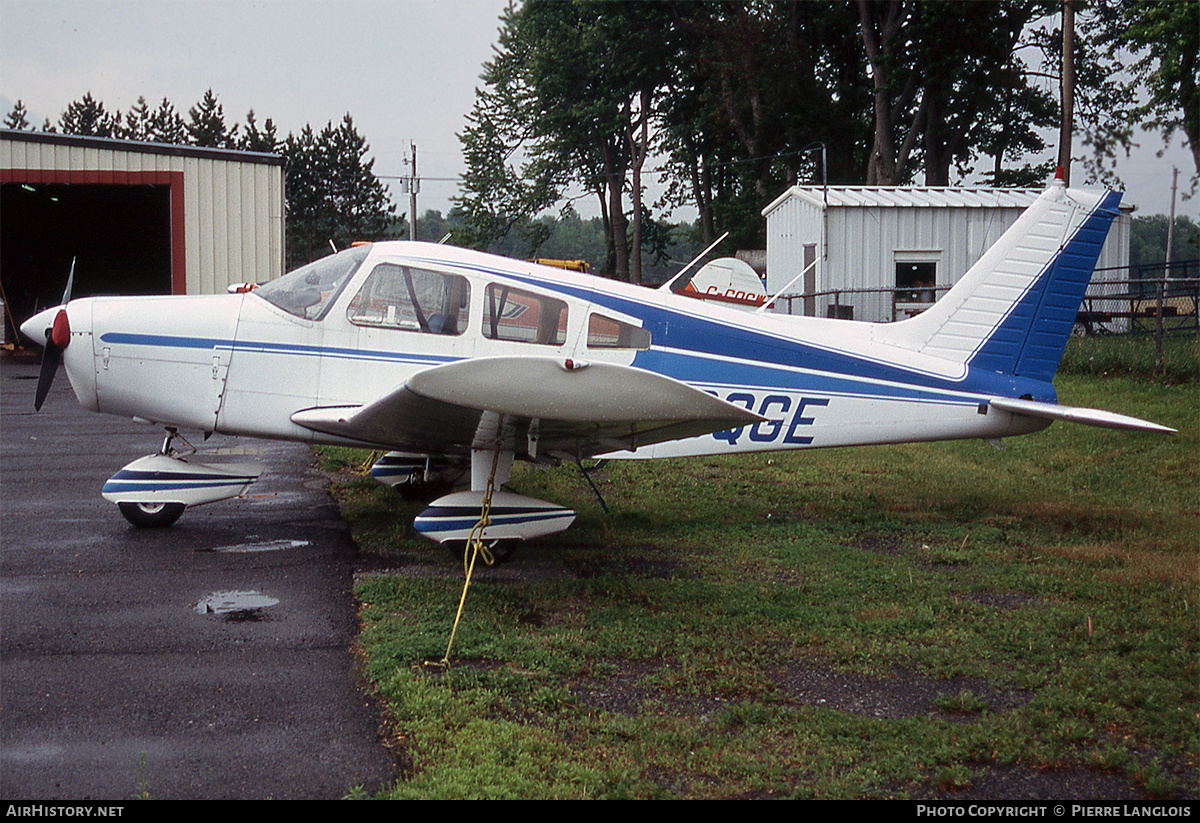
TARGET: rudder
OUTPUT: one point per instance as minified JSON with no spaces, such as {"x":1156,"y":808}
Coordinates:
{"x":1029,"y":341}
{"x":1013,"y":310}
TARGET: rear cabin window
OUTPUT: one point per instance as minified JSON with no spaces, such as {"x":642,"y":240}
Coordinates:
{"x":607,"y":333}
{"x":519,"y":316}
{"x":410,"y":299}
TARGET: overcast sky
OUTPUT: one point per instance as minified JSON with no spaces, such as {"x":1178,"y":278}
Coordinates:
{"x":405,"y":70}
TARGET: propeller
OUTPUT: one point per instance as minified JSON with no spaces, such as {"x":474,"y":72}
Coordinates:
{"x":57,"y":338}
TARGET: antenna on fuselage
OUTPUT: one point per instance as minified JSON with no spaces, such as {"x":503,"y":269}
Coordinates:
{"x":791,"y":282}
{"x":695,"y":260}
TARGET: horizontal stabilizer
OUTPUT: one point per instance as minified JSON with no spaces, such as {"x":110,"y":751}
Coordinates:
{"x":1073,"y":414}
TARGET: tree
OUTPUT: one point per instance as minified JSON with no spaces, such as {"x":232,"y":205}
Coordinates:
{"x":760,"y":88}
{"x":1150,"y":52}
{"x":333,"y":196}
{"x":569,"y":99}
{"x":88,"y":117}
{"x":744,"y":97}
{"x":166,"y":125}
{"x":358,"y":200}
{"x":137,"y":124}
{"x":500,"y":189}
{"x":1148,"y":242}
{"x":17,"y":118}
{"x":206,"y":126}
{"x":947,"y":83}
{"x":1166,"y":34}
{"x":252,"y":139}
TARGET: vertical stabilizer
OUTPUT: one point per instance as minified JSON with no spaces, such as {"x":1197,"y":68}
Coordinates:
{"x":1012,"y":312}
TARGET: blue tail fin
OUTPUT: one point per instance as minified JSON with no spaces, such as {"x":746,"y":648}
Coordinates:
{"x":1012,"y":312}
{"x":1029,"y":342}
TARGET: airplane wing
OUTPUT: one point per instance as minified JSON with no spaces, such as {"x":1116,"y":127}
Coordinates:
{"x":1075,"y":414}
{"x":554,"y":407}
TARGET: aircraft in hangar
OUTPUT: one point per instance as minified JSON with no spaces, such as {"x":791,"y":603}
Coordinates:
{"x":458,"y":363}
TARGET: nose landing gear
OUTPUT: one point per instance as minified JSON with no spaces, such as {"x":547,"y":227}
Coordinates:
{"x":153,"y":491}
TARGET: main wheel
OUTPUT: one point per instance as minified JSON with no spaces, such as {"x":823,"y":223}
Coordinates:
{"x":151,"y":515}
{"x":422,"y":490}
{"x":501,"y":549}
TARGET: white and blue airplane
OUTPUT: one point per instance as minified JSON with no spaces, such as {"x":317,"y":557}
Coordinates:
{"x":458,"y":363}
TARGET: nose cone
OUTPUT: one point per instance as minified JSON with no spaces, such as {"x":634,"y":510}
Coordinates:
{"x":35,"y":328}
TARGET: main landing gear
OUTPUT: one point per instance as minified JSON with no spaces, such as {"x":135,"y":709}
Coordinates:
{"x":499,"y":520}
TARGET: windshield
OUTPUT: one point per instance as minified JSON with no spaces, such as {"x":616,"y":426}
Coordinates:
{"x":310,"y":290}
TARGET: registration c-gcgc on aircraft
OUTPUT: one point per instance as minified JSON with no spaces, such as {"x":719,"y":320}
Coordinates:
{"x":457,"y":363}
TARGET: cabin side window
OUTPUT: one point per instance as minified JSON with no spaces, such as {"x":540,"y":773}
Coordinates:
{"x":519,"y":316}
{"x":607,"y":333}
{"x":402,"y":297}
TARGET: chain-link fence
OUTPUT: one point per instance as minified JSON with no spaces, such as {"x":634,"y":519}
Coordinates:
{"x":1151,"y":299}
{"x":1147,"y":299}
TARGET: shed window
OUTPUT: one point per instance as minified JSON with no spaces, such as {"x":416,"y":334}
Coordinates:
{"x":915,"y":281}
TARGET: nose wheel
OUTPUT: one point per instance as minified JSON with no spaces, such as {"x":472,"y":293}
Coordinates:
{"x":153,"y":491}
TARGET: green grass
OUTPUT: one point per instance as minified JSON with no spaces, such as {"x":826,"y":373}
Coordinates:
{"x":876,"y":622}
{"x":1135,"y":355}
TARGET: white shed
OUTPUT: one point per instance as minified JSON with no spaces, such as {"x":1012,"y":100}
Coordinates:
{"x":883,"y":253}
{"x":137,"y":217}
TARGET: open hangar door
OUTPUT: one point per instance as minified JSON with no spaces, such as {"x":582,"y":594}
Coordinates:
{"x":118,"y":234}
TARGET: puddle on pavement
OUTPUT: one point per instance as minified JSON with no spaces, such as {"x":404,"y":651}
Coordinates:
{"x":237,"y":606}
{"x":262,"y":546}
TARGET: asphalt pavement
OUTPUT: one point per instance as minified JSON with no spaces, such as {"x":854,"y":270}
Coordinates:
{"x":209,"y":660}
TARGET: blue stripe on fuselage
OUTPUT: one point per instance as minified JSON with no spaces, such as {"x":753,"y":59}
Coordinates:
{"x":694,"y":349}
{"x":260,"y":347}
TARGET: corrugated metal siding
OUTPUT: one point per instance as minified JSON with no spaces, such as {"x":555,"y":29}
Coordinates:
{"x":869,"y":228}
{"x":232,"y":202}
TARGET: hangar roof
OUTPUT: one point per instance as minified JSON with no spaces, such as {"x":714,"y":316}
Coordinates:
{"x":139,"y":147}
{"x":924,"y":197}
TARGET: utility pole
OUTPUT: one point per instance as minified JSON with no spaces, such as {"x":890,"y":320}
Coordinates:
{"x":412,"y":185}
{"x":1166,"y":275}
{"x":1067,"y":89}
{"x":1171,"y":224}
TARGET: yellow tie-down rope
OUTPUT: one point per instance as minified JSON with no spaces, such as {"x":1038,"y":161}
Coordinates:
{"x":475,"y":547}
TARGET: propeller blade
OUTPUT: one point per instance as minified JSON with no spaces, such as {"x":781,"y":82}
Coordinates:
{"x":57,"y":338}
{"x":51,"y":358}
{"x":70,"y":282}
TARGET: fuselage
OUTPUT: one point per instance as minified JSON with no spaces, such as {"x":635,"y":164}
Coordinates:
{"x":346,"y":335}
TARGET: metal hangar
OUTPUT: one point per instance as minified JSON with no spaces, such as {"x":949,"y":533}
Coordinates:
{"x":883,"y":253}
{"x":137,"y":218}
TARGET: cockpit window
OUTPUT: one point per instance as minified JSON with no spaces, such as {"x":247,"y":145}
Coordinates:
{"x":402,"y":297}
{"x":310,"y":290}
